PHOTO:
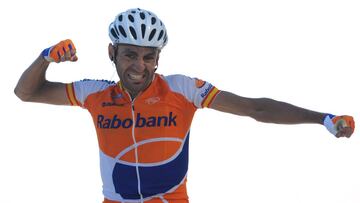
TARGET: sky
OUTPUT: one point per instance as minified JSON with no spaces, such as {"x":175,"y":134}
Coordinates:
{"x":302,"y":52}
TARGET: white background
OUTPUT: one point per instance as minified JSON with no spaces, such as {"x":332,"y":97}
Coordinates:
{"x":302,"y":52}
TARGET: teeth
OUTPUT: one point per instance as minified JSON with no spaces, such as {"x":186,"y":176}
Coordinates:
{"x":135,"y":77}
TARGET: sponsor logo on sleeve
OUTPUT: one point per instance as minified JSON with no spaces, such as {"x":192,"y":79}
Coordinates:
{"x":206,"y":91}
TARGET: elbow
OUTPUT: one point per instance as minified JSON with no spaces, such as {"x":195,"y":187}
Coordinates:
{"x":257,"y":115}
{"x":261,"y":116}
{"x":21,"y":95}
{"x":258,"y":110}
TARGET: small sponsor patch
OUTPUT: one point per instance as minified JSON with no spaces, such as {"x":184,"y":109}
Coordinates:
{"x":117,"y":96}
{"x":152,"y":100}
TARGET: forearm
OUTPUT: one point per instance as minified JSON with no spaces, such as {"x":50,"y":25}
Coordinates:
{"x":265,"y":110}
{"x":32,"y":79}
{"x":272,"y":111}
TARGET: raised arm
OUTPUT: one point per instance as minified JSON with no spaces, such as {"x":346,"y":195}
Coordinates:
{"x":272,"y":111}
{"x":33,"y":86}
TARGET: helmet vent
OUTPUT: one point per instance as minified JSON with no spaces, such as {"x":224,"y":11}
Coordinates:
{"x":152,"y":34}
{"x":153,"y":20}
{"x":133,"y":32}
{"x":120,"y":18}
{"x":143,"y":29}
{"x":131,"y":18}
{"x":114,"y":34}
{"x":160,"y":35}
{"x":142,"y":16}
{"x":122,"y":31}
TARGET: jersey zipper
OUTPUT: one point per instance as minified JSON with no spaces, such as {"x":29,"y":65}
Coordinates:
{"x":135,"y":143}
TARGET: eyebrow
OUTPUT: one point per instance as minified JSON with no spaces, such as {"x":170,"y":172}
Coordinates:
{"x":127,"y":50}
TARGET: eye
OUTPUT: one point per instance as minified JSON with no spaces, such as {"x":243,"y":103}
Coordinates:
{"x":149,"y":58}
{"x":130,"y":56}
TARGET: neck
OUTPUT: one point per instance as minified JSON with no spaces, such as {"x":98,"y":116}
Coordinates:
{"x":133,"y":95}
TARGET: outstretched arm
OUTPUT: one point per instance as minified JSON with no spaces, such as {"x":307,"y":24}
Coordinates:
{"x":33,"y":86}
{"x":271,"y":111}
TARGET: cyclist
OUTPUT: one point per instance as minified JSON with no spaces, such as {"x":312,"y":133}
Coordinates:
{"x":143,"y":121}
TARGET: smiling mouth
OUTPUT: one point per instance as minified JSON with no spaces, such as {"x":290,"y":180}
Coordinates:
{"x":136,"y":77}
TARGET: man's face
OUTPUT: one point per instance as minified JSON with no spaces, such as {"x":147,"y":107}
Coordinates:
{"x":135,"y":66}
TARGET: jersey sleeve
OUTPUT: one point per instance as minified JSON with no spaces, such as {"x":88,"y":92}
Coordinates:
{"x":199,"y":92}
{"x":78,"y":91}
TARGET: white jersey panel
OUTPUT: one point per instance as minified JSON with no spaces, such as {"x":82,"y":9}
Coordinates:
{"x":193,"y":89}
{"x":86,"y":87}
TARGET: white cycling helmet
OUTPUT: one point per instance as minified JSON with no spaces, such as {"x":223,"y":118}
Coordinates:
{"x":138,"y":27}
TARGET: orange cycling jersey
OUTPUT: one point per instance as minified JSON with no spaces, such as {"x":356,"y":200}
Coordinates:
{"x":143,"y":141}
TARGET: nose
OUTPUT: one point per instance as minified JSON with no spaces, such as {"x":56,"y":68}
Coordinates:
{"x":139,"y":65}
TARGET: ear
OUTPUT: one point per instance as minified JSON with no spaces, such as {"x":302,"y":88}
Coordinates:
{"x":111,"y":51}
